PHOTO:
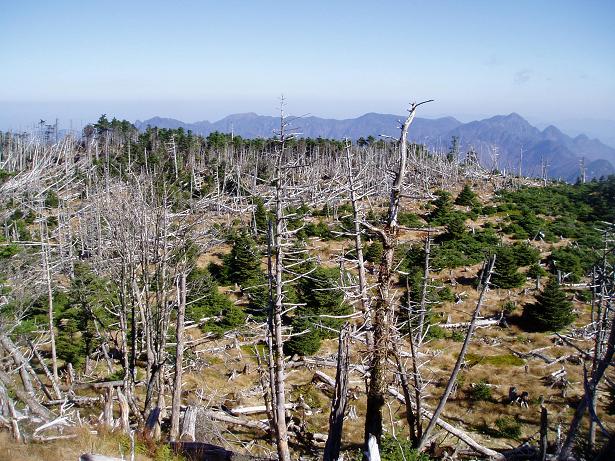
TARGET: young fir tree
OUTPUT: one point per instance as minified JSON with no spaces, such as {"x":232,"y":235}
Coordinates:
{"x":317,"y":295}
{"x":243,"y":262}
{"x":551,"y":311}
{"x":443,"y":208}
{"x":506,"y":274}
{"x":261,"y":216}
{"x":466,"y":197}
{"x":455,"y":228}
{"x":205,"y":300}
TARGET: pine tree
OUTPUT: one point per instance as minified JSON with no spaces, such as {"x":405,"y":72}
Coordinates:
{"x":466,"y":197}
{"x":551,"y":311}
{"x":456,"y":228}
{"x":506,"y":274}
{"x":244,"y":261}
{"x":317,"y":295}
{"x":443,"y":208}
{"x":261,"y":216}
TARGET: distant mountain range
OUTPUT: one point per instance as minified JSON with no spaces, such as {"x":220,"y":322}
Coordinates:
{"x":511,"y":137}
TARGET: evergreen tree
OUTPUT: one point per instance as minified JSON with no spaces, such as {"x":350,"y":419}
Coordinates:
{"x":506,"y":274}
{"x":443,"y":208}
{"x":455,"y":228}
{"x":261,"y":216}
{"x":317,"y":294}
{"x":205,"y":300}
{"x":373,"y":252}
{"x":551,"y":311}
{"x":244,"y":261}
{"x":466,"y":197}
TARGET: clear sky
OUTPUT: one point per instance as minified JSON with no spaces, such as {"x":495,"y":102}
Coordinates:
{"x":195,"y":60}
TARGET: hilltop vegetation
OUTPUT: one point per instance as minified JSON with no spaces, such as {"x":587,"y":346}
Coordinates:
{"x":125,"y":254}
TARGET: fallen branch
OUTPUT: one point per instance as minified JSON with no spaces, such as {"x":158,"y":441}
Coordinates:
{"x":461,"y":435}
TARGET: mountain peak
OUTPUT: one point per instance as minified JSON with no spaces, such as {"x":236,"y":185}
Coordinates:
{"x":514,"y":116}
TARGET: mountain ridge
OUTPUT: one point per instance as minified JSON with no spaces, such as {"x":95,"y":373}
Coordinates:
{"x":507,"y":142}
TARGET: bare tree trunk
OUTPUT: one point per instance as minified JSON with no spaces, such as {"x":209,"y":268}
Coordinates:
{"x":340,"y":398}
{"x":591,"y":388}
{"x":544,"y":427}
{"x":47,"y":272}
{"x":277,"y":306}
{"x":452,"y":380}
{"x":179,"y":357}
{"x":357,"y":232}
{"x":423,"y":305}
{"x":383,"y":309}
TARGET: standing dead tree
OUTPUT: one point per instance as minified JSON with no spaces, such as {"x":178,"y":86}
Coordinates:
{"x":603,"y":287}
{"x":383,"y":309}
{"x":277,"y":230}
{"x":453,"y":378}
{"x":340,"y":398}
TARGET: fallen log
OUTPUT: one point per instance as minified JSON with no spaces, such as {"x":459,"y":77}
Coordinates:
{"x":255,"y":409}
{"x":98,"y":385}
{"x":226,"y":418}
{"x":478,"y":324}
{"x":461,"y":435}
{"x":208,"y":452}
{"x":26,"y":398}
{"x":324,"y":378}
{"x":78,"y":401}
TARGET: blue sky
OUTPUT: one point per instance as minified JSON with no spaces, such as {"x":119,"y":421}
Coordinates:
{"x":195,"y":60}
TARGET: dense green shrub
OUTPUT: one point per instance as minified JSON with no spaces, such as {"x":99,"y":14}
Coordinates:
{"x":536,"y":271}
{"x":551,"y":311}
{"x":506,"y":273}
{"x":508,"y":428}
{"x":407,"y":219}
{"x":52,"y":200}
{"x":573,"y":261}
{"x":400,"y":450}
{"x":466,"y":197}
{"x":318,"y":295}
{"x":205,"y":300}
{"x":481,"y":391}
{"x":373,"y":252}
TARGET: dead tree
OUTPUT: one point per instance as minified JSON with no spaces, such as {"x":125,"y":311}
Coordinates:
{"x":383,"y":307}
{"x":340,"y":398}
{"x":179,"y":356}
{"x":453,"y":378}
{"x":277,"y":230}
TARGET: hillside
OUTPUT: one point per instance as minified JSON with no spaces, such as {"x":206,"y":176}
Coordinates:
{"x":173,"y":286}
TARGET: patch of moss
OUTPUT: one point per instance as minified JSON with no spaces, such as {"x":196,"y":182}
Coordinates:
{"x":311,"y":395}
{"x":495,"y":360}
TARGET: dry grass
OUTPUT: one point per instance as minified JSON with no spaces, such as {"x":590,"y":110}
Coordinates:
{"x":103,"y":443}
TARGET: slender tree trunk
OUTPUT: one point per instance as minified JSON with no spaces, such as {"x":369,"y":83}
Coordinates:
{"x":47,"y":272}
{"x":357,"y":232}
{"x":179,"y":357}
{"x":453,"y":378}
{"x":383,"y":309}
{"x":423,"y":305}
{"x":277,"y":307}
{"x":340,"y":398}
